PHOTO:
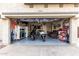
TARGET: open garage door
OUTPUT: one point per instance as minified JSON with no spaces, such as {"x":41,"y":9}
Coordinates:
{"x":40,"y":30}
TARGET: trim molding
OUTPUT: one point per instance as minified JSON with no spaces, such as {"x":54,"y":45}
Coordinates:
{"x":24,"y":13}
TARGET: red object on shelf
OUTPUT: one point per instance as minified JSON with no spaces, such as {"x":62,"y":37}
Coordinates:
{"x":13,"y":24}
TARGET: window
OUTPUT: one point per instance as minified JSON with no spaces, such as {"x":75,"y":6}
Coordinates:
{"x":61,"y":5}
{"x":46,"y":6}
{"x":75,"y":5}
{"x":31,"y":6}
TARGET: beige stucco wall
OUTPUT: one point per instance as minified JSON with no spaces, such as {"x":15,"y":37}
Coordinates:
{"x":74,"y":23}
{"x":5,"y":31}
{"x":0,"y":29}
{"x":20,"y":7}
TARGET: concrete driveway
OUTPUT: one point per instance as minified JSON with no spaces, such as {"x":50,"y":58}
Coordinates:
{"x":38,"y":50}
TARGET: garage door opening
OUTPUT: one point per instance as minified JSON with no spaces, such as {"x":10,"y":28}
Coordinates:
{"x":46,"y":31}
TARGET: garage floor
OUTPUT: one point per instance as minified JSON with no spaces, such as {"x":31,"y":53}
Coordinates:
{"x":49,"y":41}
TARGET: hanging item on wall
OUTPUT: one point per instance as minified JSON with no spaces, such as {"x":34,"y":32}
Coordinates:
{"x":13,"y":24}
{"x":66,"y":22}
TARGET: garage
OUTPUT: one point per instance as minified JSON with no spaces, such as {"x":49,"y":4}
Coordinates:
{"x":58,"y":22}
{"x":40,"y":31}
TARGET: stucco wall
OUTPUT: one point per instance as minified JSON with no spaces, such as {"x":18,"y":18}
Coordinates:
{"x":74,"y":23}
{"x":0,"y":29}
{"x":20,"y":7}
{"x":5,"y":31}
